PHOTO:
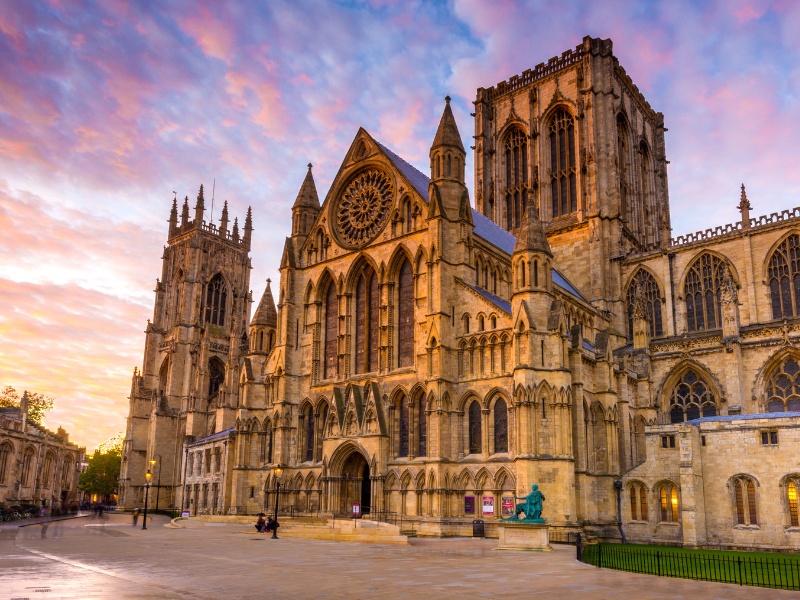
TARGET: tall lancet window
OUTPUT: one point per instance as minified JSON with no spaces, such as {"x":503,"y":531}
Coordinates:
{"x":475,"y":433}
{"x":500,"y":426}
{"x":309,"y":426}
{"x":784,"y":278}
{"x":422,"y":430}
{"x":405,"y":313}
{"x":403,"y":426}
{"x":367,"y":321}
{"x":516,"y":157}
{"x":216,"y":298}
{"x":563,"y":165}
{"x":701,"y":291}
{"x":331,"y":332}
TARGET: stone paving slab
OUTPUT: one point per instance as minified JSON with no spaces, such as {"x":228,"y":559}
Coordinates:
{"x":82,"y":559}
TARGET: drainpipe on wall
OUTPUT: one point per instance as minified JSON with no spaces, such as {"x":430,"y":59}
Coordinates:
{"x":618,"y":488}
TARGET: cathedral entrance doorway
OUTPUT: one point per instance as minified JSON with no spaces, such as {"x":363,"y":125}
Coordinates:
{"x":354,"y":485}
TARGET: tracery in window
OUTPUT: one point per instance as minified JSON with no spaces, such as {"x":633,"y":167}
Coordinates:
{"x":652,"y":296}
{"x":516,"y":158}
{"x":783,"y":388}
{"x":563,"y":167}
{"x":744,"y":493}
{"x":500,"y":426}
{"x":668,"y":500}
{"x":638,"y":497}
{"x":475,"y":428}
{"x":405,"y":313}
{"x":691,"y":398}
{"x":330,"y":363}
{"x":702,"y":290}
{"x":784,"y":278}
{"x":402,"y":426}
{"x":367,"y":321}
{"x":216,"y":299}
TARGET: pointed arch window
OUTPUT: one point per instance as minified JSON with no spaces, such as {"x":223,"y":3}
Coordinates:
{"x":216,"y":376}
{"x":516,"y":157}
{"x":784,"y":278}
{"x":691,"y":398}
{"x":500,"y":426}
{"x":645,"y":215}
{"x":5,"y":458}
{"x":475,"y":428}
{"x":638,"y":495}
{"x":422,"y":430}
{"x":668,"y":503}
{"x":652,"y":295}
{"x":330,"y":362}
{"x":792,"y":489}
{"x":783,"y":387}
{"x":744,"y":496}
{"x":563,"y":165}
{"x":27,"y":467}
{"x":624,"y":169}
{"x":216,"y":300}
{"x":402,"y":449}
{"x":308,"y":416}
{"x":367,"y":315}
{"x":405,"y":314}
{"x":702,"y":289}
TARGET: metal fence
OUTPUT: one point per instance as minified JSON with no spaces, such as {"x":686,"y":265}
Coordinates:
{"x":703,"y":565}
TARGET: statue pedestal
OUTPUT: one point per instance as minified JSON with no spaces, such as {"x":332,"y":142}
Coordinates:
{"x":524,"y":536}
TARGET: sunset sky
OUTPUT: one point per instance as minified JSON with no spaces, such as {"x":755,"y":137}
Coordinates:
{"x":108,"y":107}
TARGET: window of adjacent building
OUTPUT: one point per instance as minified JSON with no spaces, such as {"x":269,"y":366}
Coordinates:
{"x":783,"y":276}
{"x":516,"y":157}
{"x":667,"y":441}
{"x":783,"y":387}
{"x":500,"y":426}
{"x":691,"y":398}
{"x":216,"y":298}
{"x":644,"y":280}
{"x":405,"y":311}
{"x":563,"y":179}
{"x":744,"y":492}
{"x":791,"y":498}
{"x":638,"y":497}
{"x":403,"y":426}
{"x":367,"y":322}
{"x":252,"y":492}
{"x":475,"y":428}
{"x":702,"y":292}
{"x":668,"y":503}
{"x":27,"y":467}
{"x":330,"y":362}
{"x":769,"y":438}
{"x":5,"y":457}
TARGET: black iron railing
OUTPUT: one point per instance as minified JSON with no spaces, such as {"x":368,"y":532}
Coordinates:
{"x":760,"y":570}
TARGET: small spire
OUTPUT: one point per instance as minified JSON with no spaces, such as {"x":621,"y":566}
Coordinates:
{"x":173,"y":216}
{"x":248,"y":227}
{"x":185,"y":212}
{"x":266,"y":314}
{"x":447,"y":134}
{"x":223,"y":222}
{"x":200,"y":207}
{"x":743,"y":201}
{"x":744,"y":207}
{"x":531,"y":236}
{"x":236,"y":229}
{"x":307,"y":196}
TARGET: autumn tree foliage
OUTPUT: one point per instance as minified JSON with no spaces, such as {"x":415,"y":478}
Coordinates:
{"x":102,"y":475}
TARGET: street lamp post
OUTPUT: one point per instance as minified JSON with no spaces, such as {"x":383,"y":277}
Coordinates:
{"x":148,"y":476}
{"x":158,"y":481}
{"x":278,"y":472}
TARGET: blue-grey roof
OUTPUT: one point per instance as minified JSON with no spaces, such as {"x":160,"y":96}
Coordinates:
{"x":770,"y":415}
{"x":503,"y":305}
{"x":587,"y":345}
{"x":491,"y":232}
{"x":214,"y":436}
{"x":562,"y":282}
{"x":414,"y":176}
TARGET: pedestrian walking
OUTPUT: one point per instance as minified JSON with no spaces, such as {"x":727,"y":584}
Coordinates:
{"x":135,"y":516}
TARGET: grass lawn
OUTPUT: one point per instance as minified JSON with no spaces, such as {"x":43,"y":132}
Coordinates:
{"x":762,"y":569}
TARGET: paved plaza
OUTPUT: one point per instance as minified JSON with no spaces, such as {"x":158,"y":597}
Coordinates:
{"x":88,"y":558}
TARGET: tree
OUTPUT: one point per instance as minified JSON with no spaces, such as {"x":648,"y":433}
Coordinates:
{"x":102,"y":475}
{"x":38,"y":404}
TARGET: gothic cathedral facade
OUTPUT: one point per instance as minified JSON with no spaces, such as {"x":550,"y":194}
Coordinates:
{"x":432,"y":355}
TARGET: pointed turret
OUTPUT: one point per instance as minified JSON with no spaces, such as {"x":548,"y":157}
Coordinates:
{"x":447,"y":152}
{"x":306,"y":206}
{"x":185,"y":212}
{"x":199,"y":208}
{"x":248,"y":227}
{"x":532,"y":258}
{"x":223,"y":223}
{"x":744,"y":208}
{"x":236,"y":229}
{"x":173,"y":217}
{"x":531,"y":236}
{"x":264,"y":323}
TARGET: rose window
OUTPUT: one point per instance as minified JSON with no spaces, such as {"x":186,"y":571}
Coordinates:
{"x":364,"y":208}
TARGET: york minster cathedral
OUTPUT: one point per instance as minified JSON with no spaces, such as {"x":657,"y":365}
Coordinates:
{"x":432,"y":353}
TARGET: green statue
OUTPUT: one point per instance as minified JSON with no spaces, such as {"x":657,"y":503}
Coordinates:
{"x":532,"y":507}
